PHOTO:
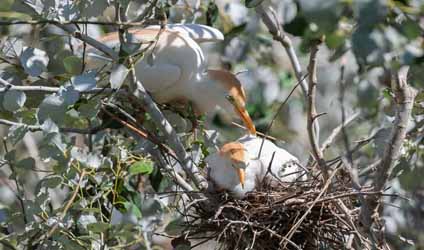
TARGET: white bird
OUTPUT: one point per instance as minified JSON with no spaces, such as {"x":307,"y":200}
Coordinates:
{"x":174,"y":69}
{"x":240,"y":165}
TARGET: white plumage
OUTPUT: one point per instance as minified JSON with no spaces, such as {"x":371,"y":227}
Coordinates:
{"x":174,"y":69}
{"x":226,"y":166}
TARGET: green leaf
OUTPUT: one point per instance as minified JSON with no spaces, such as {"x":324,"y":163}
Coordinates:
{"x":73,"y":65}
{"x":17,"y":133}
{"x":13,"y":100}
{"x":52,"y":107}
{"x":175,"y":227}
{"x":335,"y":39}
{"x":27,"y":163}
{"x":235,"y":31}
{"x":84,"y":82}
{"x":118,"y":75}
{"x":52,"y":181}
{"x":252,"y":3}
{"x":98,"y":227}
{"x":34,"y":61}
{"x":133,"y":209}
{"x":141,"y":167}
{"x":212,"y":14}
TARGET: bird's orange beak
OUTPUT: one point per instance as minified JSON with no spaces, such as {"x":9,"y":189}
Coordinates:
{"x":242,"y":112}
{"x":241,"y":174}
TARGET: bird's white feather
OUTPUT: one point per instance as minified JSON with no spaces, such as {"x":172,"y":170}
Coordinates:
{"x":199,"y":33}
{"x":284,"y":167}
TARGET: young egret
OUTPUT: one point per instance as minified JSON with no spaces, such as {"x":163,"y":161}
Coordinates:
{"x":173,"y":69}
{"x":238,"y":166}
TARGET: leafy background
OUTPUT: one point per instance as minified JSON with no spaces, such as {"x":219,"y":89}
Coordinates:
{"x":117,"y":194}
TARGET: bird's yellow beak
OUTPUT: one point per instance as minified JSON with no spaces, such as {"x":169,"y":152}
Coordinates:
{"x":241,"y":174}
{"x":242,"y":112}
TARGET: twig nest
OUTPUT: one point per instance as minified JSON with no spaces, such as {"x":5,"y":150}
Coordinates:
{"x":305,"y":214}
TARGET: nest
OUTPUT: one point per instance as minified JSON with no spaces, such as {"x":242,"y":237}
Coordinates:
{"x":302,"y":215}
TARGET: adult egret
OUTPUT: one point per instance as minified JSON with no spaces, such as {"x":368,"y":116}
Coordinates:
{"x":174,"y":70}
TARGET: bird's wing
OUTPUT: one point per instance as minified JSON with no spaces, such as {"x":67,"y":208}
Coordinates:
{"x":197,"y":32}
{"x":158,"y":76}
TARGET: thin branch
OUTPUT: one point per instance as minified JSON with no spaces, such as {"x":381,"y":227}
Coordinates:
{"x":75,"y":22}
{"x":257,"y":132}
{"x":336,"y":131}
{"x":404,"y":101}
{"x":89,"y":40}
{"x":312,"y":113}
{"x":46,"y":89}
{"x":278,"y":34}
{"x":35,"y":128}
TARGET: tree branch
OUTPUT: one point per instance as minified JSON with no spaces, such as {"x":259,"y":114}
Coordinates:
{"x":93,"y":42}
{"x":35,"y":128}
{"x":312,"y":113}
{"x":404,"y":101}
{"x":278,"y":35}
{"x":336,"y":131}
{"x":8,"y":86}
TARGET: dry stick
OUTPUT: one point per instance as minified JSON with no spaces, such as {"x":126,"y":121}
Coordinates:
{"x":35,"y":128}
{"x":276,"y":114}
{"x":275,"y":28}
{"x":299,"y":222}
{"x":278,"y":34}
{"x":404,"y":100}
{"x":8,"y":86}
{"x":312,"y":113}
{"x":336,"y":131}
{"x":257,"y":132}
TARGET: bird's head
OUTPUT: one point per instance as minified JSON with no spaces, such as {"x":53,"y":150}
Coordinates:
{"x":235,"y":153}
{"x":235,"y":95}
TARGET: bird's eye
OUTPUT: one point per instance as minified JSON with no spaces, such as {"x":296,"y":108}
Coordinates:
{"x":230,"y":98}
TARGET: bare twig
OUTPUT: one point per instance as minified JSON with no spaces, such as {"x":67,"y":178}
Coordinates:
{"x":404,"y":100}
{"x":89,"y":40}
{"x":299,"y":222}
{"x":75,"y":22}
{"x":257,"y":132}
{"x":312,"y":113}
{"x":336,"y":131}
{"x":278,"y":34}
{"x":35,"y":128}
